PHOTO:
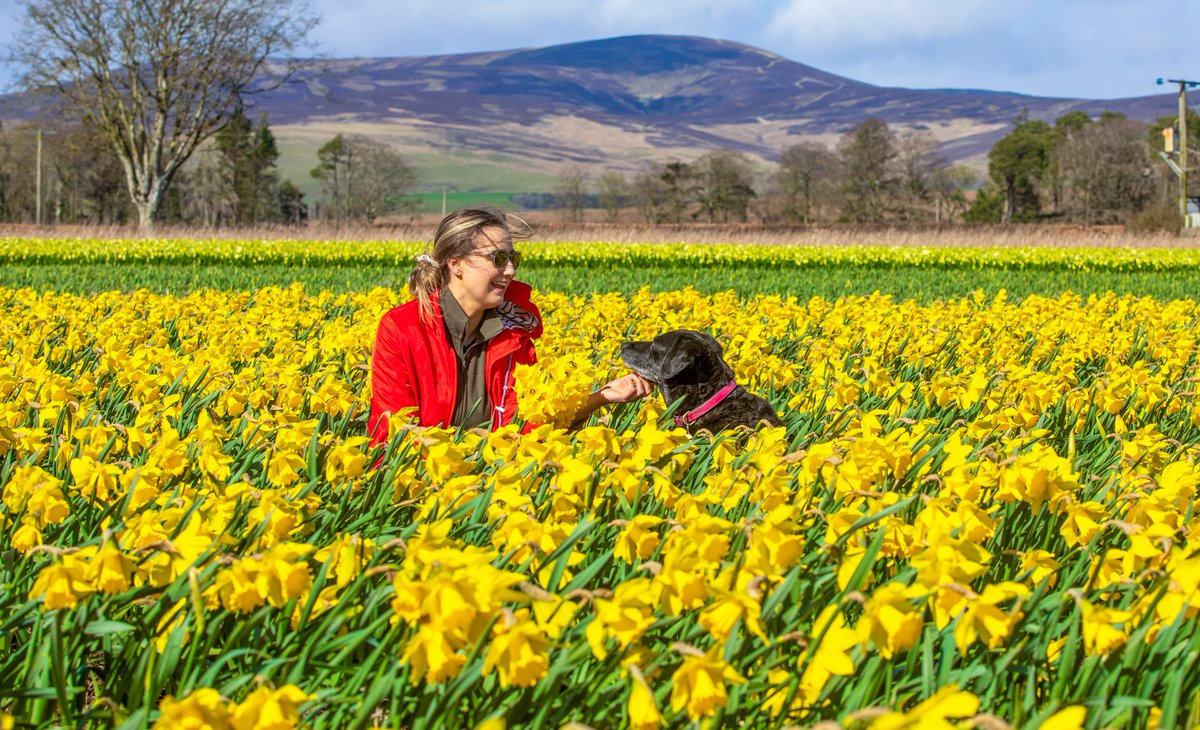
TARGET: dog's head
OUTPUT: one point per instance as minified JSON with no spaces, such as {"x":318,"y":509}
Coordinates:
{"x":679,"y":362}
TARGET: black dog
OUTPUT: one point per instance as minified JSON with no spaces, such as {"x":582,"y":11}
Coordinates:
{"x":688,"y":365}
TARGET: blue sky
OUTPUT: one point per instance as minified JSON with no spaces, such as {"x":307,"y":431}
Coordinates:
{"x":1069,"y":48}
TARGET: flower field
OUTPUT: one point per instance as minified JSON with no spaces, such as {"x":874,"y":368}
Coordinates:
{"x":979,"y":514}
{"x":180,"y":266}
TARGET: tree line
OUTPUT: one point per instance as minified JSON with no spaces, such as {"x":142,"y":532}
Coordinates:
{"x":158,"y":90}
{"x":231,"y":180}
{"x":1076,"y":170}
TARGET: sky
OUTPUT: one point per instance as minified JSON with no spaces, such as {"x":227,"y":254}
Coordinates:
{"x":1094,"y":49}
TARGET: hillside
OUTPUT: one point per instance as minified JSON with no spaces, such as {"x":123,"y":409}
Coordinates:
{"x":510,"y":120}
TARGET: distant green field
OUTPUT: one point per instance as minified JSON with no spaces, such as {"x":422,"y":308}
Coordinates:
{"x":923,"y":284}
{"x":184,"y":265}
{"x":432,"y":202}
{"x":462,"y":169}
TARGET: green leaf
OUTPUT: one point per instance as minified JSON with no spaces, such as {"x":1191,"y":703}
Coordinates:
{"x":104,"y":628}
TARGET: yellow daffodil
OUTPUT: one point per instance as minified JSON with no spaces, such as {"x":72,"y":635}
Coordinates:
{"x":1071,"y":717}
{"x":518,"y":653}
{"x":643,"y":712}
{"x":1104,"y":629}
{"x":699,"y":685}
{"x":890,"y":620}
{"x":270,"y":709}
{"x":637,"y":540}
{"x":624,"y":617}
{"x":937,"y":712}
{"x":203,"y":709}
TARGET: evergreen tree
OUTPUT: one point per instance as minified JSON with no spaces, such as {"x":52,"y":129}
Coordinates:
{"x":250,"y":152}
{"x":1018,"y":164}
{"x":334,"y":171}
{"x":292,"y":208}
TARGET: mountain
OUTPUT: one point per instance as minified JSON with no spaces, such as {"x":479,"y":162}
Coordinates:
{"x":511,"y":120}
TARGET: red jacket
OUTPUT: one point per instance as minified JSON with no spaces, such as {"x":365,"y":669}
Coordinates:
{"x":414,"y":365}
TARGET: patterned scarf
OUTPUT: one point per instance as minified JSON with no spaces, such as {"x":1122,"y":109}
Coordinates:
{"x":513,"y":317}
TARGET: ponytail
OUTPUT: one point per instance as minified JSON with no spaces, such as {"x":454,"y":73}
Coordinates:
{"x":426,"y":278}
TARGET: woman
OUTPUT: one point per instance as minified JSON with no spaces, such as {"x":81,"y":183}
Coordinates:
{"x":448,"y":356}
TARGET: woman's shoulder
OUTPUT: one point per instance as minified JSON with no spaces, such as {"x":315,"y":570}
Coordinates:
{"x":404,"y":316}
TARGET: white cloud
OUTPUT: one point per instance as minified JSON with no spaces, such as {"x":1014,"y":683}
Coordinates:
{"x":820,"y":23}
{"x":383,"y":27}
{"x":1070,"y":48}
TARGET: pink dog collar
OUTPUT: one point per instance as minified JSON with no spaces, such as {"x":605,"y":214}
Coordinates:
{"x":690,"y":417}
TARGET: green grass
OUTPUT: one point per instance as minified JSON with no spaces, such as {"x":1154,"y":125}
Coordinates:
{"x":431,"y":202}
{"x":468,"y":170}
{"x":921,"y":283}
{"x":464,"y":170}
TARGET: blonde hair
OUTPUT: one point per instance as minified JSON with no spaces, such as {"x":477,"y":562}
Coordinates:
{"x":456,"y":237}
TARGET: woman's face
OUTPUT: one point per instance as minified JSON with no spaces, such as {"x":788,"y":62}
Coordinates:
{"x":475,"y":280}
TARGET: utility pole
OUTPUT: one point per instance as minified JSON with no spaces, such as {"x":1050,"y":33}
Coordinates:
{"x":1182,"y":169}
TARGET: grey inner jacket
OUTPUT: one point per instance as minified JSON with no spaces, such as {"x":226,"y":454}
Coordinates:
{"x":471,"y":404}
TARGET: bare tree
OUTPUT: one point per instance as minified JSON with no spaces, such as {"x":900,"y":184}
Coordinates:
{"x":384,"y":180}
{"x":649,"y":192}
{"x":948,"y":186}
{"x":918,"y":161}
{"x":725,"y":185}
{"x":363,"y":178}
{"x":8,"y":177}
{"x":806,"y":172}
{"x":156,"y":78}
{"x":81,"y":179}
{"x":92,"y":182}
{"x":613,"y":194}
{"x":867,"y":153}
{"x":1106,"y":171}
{"x":570,"y":192}
{"x":17,"y":195}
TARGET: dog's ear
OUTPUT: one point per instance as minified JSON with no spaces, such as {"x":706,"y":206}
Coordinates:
{"x":674,"y":352}
{"x":717,"y":350}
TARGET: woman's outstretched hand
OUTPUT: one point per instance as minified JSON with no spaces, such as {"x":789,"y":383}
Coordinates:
{"x":626,"y":389}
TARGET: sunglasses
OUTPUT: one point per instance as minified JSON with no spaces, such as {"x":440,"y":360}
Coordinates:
{"x":501,"y":257}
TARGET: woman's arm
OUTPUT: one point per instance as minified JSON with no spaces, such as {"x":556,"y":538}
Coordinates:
{"x":624,"y":389}
{"x":391,"y":379}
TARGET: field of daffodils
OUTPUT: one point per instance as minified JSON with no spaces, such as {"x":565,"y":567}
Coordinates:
{"x":979,"y":514}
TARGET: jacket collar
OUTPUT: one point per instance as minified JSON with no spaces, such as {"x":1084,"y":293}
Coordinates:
{"x":523,"y":320}
{"x":455,"y":320}
{"x":518,"y":310}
